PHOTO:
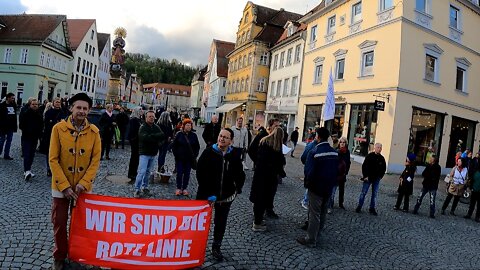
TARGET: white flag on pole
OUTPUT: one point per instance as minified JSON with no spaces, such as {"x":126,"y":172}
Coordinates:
{"x":329,"y":110}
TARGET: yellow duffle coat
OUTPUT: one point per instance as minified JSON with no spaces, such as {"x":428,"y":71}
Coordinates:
{"x":74,"y":157}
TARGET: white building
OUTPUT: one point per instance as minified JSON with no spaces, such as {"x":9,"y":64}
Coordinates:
{"x":285,"y":76}
{"x":103,"y":75}
{"x":198,"y":82}
{"x":216,"y":77}
{"x":84,"y":44}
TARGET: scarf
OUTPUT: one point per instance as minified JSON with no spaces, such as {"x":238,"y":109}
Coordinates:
{"x":342,"y":150}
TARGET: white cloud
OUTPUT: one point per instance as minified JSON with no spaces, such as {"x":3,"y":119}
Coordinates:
{"x":181,"y":29}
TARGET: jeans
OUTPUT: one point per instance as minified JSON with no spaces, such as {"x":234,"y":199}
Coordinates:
{"x":162,"y":153}
{"x":6,"y":139}
{"x":317,"y":213}
{"x":145,"y":166}
{"x":373,"y":200}
{"x":433,"y":194}
{"x":331,"y":200}
{"x":29,"y":148}
{"x":183,"y":174}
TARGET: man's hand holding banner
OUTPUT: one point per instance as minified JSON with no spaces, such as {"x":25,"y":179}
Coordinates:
{"x":134,"y":233}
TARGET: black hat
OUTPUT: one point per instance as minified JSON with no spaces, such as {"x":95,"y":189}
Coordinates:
{"x":83,"y":97}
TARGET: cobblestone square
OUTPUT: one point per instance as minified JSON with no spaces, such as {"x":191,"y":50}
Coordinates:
{"x":391,"y":240}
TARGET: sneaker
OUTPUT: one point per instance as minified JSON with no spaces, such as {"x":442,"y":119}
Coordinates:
{"x":245,"y":167}
{"x":131,"y":182}
{"x":329,"y":211}
{"x":373,"y":212}
{"x":178,"y":192}
{"x":8,"y":158}
{"x":146,"y":192}
{"x":358,"y":209}
{"x":271,"y":214}
{"x":259,"y":227}
{"x":217,"y":254}
{"x":306,"y":243}
{"x":27,"y":175}
{"x":304,"y":204}
{"x":136,"y":194}
{"x":405,"y":210}
{"x":33,"y":175}
{"x":395,"y":208}
{"x":185,"y":193}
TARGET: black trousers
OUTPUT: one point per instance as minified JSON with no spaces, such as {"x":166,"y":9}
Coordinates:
{"x":406,"y":200}
{"x":474,"y":199}
{"x":220,"y":222}
{"x":270,"y":196}
{"x":106,"y":144}
{"x":134,"y":160}
{"x":447,"y":202}
{"x":341,"y":192}
{"x":258,"y":210}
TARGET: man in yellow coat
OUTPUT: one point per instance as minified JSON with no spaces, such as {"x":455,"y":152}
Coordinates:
{"x":74,"y":158}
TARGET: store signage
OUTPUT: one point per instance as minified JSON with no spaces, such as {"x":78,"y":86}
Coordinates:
{"x":379,"y":105}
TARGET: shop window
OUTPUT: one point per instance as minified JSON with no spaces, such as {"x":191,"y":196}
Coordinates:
{"x":336,"y":126}
{"x":362,"y":129}
{"x":462,"y":136}
{"x":425,"y":134}
{"x":312,"y":120}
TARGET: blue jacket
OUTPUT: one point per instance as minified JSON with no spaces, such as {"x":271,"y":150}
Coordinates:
{"x":321,"y":169}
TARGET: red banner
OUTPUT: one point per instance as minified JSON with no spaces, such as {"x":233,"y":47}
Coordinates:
{"x":130,"y":233}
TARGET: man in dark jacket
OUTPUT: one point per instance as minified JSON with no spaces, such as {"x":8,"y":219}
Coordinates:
{"x":150,"y":137}
{"x":294,"y":140}
{"x":122,"y":120}
{"x":373,"y":170}
{"x":8,"y":124}
{"x":220,"y":174}
{"x":320,"y":177}
{"x":211,"y":131}
{"x":431,"y":177}
{"x":31,"y":124}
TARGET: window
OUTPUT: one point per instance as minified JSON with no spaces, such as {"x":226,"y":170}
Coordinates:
{"x":459,"y":85}
{"x":247,"y":85}
{"x":86,"y":47}
{"x":317,"y":76}
{"x":385,"y":4}
{"x":20,"y":87}
{"x":8,"y":55}
{"x":454,"y":17}
{"x":367,"y":63}
{"x":95,"y":71}
{"x":93,"y":51}
{"x":90,"y":69}
{"x":297,"y":53}
{"x":54,"y":62}
{"x":430,"y":68}
{"x":250,"y":58}
{"x":356,"y":12}
{"x":340,"y":69}
{"x":272,"y":89}
{"x":83,"y":66}
{"x":275,"y":61}
{"x":282,"y":59}
{"x":289,"y":56}
{"x":331,"y":25}
{"x":42,"y":58}
{"x":244,"y":61}
{"x":261,"y":85}
{"x":293,"y":91}
{"x":286,"y":85}
{"x":89,"y":50}
{"x":4,"y":89}
{"x":313,"y":33}
{"x":245,"y":19}
{"x":78,"y":64}
{"x":264,"y":59}
{"x":48,"y":60}
{"x":242,"y":85}
{"x":92,"y":34}
{"x":23,"y":56}
{"x":421,"y":5}
{"x":240,"y":63}
{"x":279,"y":88}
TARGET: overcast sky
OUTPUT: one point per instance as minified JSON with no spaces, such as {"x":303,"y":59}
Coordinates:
{"x":181,"y":29}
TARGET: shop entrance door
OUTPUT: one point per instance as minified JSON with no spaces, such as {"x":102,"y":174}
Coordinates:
{"x":461,"y":138}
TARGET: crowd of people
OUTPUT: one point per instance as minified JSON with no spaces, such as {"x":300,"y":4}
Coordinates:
{"x":74,"y":148}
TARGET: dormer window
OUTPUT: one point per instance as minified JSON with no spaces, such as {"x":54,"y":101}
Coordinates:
{"x":290,"y":30}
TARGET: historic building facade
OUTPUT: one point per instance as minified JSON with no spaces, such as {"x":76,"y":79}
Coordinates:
{"x":103,"y":74}
{"x":403,"y":76}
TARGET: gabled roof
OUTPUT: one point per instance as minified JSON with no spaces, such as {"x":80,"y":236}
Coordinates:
{"x":29,"y":28}
{"x":102,"y":39}
{"x":283,"y":38}
{"x":223,"y":48}
{"x":78,"y":28}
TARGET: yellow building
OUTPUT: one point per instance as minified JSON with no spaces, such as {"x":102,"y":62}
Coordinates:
{"x":248,"y":70}
{"x":418,"y":57}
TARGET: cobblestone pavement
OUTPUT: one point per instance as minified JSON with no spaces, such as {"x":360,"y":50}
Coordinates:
{"x":391,"y":240}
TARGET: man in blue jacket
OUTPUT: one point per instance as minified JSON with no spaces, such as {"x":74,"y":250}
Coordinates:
{"x":320,"y":177}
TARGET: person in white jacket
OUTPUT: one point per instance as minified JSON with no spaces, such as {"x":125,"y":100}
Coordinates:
{"x":241,"y":139}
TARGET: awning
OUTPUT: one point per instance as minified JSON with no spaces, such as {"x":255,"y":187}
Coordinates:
{"x":228,"y":107}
